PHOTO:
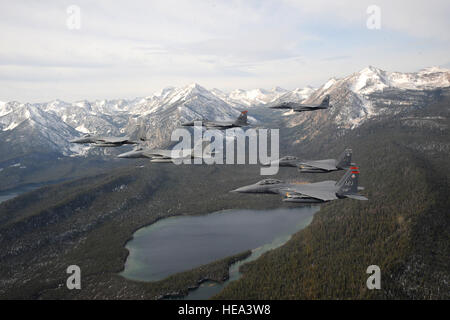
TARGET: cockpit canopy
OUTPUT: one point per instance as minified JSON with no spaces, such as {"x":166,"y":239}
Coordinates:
{"x":87,"y":135}
{"x":268,"y":181}
{"x":289,"y":158}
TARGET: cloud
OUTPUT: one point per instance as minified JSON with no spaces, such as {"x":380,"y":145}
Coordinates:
{"x":417,"y":18}
{"x":137,"y":48}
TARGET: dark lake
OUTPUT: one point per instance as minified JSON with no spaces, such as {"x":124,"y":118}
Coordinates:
{"x":178,"y":244}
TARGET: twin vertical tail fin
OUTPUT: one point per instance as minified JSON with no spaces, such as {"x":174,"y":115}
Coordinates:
{"x":202,"y":148}
{"x":325,"y":101}
{"x":242,"y":119}
{"x":207,"y":149}
{"x":348,"y":185}
{"x":142,"y":134}
{"x":345,"y":159}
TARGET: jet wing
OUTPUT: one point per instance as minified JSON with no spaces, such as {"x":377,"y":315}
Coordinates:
{"x":294,"y":106}
{"x":158,"y":153}
{"x":304,"y":108}
{"x":214,"y":124}
{"x":284,"y":105}
{"x":169,"y":154}
{"x":329,"y":164}
{"x":322,"y":190}
{"x":113,"y":140}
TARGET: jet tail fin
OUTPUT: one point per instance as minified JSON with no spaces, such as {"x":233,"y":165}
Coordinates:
{"x":202,"y":148}
{"x":207,"y":150}
{"x":345,"y":159}
{"x":348,"y":185}
{"x":325,"y":101}
{"x":242,"y":119}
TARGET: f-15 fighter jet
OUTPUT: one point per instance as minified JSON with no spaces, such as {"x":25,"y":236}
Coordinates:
{"x":298,"y":107}
{"x":241,"y":121}
{"x":317,"y":192}
{"x":167,"y":155}
{"x":99,"y":141}
{"x":316,"y":166}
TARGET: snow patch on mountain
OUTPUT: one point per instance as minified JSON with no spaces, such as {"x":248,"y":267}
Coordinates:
{"x":371,"y":79}
{"x":329,"y":83}
{"x":297,"y":95}
{"x":82,"y":128}
{"x":250,"y":98}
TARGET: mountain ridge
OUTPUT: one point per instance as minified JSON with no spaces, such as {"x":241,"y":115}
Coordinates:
{"x":355,"y":99}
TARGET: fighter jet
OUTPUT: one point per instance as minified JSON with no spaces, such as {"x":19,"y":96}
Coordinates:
{"x":241,"y":121}
{"x":316,"y":166}
{"x":317,"y":192}
{"x":99,"y":141}
{"x":167,"y":155}
{"x":298,"y":107}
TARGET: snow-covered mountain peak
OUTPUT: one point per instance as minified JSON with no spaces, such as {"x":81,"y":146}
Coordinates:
{"x":304,"y":92}
{"x":162,"y":93}
{"x":434,"y":69}
{"x":5,"y":108}
{"x":369,"y":80}
{"x":371,"y":69}
{"x":329,"y":83}
{"x":373,"y":91}
{"x":194,"y":88}
{"x":278,"y":89}
{"x":254,"y":97}
{"x":296,"y":95}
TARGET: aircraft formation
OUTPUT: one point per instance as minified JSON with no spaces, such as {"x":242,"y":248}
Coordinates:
{"x":99,"y":141}
{"x":318,"y":192}
{"x":298,"y":107}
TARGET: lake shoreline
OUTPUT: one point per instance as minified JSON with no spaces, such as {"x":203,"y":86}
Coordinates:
{"x":258,"y":218}
{"x":185,"y":292}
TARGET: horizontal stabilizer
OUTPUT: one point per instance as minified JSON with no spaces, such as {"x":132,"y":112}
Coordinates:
{"x":356,"y":197}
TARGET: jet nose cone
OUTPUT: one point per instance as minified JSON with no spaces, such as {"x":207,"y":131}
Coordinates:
{"x":271,"y":163}
{"x":244,"y":189}
{"x":75,"y":141}
{"x":126,"y":155}
{"x":278,"y":106}
{"x":132,"y":154}
{"x":275,"y":163}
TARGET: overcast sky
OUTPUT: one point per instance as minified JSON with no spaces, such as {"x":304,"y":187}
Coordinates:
{"x":125,"y":49}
